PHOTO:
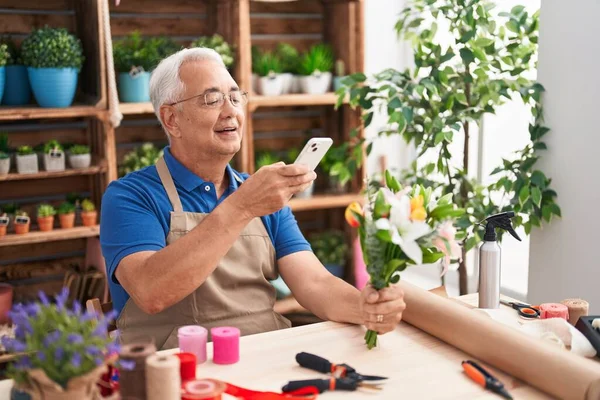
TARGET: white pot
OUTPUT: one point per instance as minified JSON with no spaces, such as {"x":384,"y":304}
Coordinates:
{"x":4,"y":166}
{"x":270,"y":86}
{"x":317,"y":83}
{"x":27,"y":164}
{"x":255,"y":79}
{"x":80,"y":160}
{"x":306,"y":193}
{"x":288,"y":82}
{"x":296,"y":85}
{"x":54,"y":161}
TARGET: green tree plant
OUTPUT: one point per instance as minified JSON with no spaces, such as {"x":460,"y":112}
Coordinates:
{"x":4,"y":55}
{"x":451,"y":88}
{"x":52,"y":48}
{"x":141,"y":157}
{"x":289,"y":56}
{"x":14,"y":53}
{"x":217,"y":43}
{"x":137,"y":51}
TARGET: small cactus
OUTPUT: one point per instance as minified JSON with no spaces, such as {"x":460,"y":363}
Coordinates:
{"x":87,"y":205}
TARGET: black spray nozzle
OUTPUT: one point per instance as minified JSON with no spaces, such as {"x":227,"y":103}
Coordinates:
{"x":502,"y":221}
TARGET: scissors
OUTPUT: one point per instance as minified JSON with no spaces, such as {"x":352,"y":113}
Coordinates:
{"x":525,"y":310}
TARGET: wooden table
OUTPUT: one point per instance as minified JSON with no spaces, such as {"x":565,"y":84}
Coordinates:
{"x":419,"y":365}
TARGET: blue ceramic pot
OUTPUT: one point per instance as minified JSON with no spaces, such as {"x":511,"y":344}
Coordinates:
{"x":53,"y":87}
{"x":17,"y":90}
{"x":2,"y":79}
{"x":335,"y":269}
{"x":134,"y":89}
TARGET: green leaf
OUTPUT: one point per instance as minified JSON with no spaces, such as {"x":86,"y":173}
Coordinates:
{"x":382,"y":209}
{"x":408,"y":114}
{"x":540,"y":146}
{"x":392,"y":265}
{"x":450,"y":102}
{"x":461,"y":98}
{"x":439,"y":138}
{"x":395,"y":103}
{"x":536,"y":196}
{"x":359,"y":77}
{"x":467,"y":36}
{"x":547,"y":213}
{"x":512,"y":26}
{"x":470,"y":243}
{"x":523,"y":194}
{"x":527,"y":226}
{"x":497,"y":170}
{"x":353,"y":133}
{"x":368,"y":118}
{"x":535,"y":221}
{"x":555,"y":209}
{"x":391,"y":182}
{"x":538,"y":179}
{"x":429,"y":257}
{"x":467,"y":55}
{"x":484,"y":42}
{"x":369,"y":148}
{"x":517,"y":10}
{"x":395,"y":279}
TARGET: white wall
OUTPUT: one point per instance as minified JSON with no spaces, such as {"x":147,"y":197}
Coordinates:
{"x":563,"y":258}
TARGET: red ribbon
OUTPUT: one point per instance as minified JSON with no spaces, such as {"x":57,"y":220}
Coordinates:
{"x":307,"y":393}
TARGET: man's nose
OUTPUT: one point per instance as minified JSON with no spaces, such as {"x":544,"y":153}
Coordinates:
{"x":228,"y":109}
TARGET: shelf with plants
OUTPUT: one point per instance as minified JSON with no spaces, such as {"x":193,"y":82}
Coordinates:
{"x":57,"y":69}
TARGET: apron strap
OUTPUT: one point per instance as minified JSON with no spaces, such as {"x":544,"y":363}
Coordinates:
{"x":167,"y":181}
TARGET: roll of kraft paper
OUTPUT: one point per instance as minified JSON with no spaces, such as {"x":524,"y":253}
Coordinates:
{"x":162,"y":377}
{"x":554,"y":310}
{"x":544,"y":366}
{"x":187,"y":366}
{"x":132,"y":383}
{"x":203,"y":389}
{"x":192,"y":339}
{"x":226,"y":345}
{"x":577,"y":308}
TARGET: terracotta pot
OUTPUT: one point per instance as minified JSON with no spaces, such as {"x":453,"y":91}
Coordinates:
{"x":21,"y":229}
{"x":67,"y":220}
{"x":46,"y":223}
{"x":89,"y":217}
{"x":6,"y":299}
{"x":2,"y":230}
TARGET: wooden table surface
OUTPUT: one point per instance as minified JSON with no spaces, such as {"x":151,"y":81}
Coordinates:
{"x":419,"y":365}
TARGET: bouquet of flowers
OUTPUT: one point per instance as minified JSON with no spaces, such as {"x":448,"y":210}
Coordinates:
{"x":60,"y":349}
{"x":399,"y":227}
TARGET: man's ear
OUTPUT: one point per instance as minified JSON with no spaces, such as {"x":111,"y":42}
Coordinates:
{"x":169,"y":118}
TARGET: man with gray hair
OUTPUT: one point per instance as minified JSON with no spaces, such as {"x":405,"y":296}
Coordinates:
{"x":191,"y":241}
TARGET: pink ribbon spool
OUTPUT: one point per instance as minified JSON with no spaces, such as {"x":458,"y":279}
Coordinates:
{"x":226,"y":345}
{"x":192,"y":339}
{"x":6,"y":299}
{"x":554,"y":310}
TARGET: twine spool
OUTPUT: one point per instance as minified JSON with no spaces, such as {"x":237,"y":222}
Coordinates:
{"x":577,"y":308}
{"x":187,"y":366}
{"x":133,"y":383}
{"x":162,"y":377}
{"x":554,"y":310}
{"x":203,"y":389}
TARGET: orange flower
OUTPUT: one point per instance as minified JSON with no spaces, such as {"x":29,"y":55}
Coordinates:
{"x":354,"y":207}
{"x":417,"y":210}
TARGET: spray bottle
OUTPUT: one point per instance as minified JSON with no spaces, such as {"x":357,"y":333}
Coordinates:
{"x":490,"y":259}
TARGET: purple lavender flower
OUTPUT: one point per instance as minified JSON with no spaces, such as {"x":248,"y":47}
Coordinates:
{"x":101,"y":329}
{"x":62,"y":297}
{"x":41,"y":356}
{"x":127,"y":365}
{"x":58,"y":354}
{"x":74,"y":338}
{"x":23,"y":363}
{"x":99,"y":361}
{"x":51,"y":338}
{"x":19,"y":332}
{"x":76,"y":360}
{"x":77,"y":308}
{"x":88,"y":316}
{"x":33,"y":309}
{"x":43,"y":298}
{"x":13,"y":345}
{"x":92,"y":350}
{"x":18,"y":317}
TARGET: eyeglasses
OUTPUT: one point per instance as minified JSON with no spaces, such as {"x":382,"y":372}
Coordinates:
{"x":217,"y":99}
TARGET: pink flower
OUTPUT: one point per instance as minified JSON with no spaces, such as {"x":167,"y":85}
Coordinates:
{"x":446,"y":243}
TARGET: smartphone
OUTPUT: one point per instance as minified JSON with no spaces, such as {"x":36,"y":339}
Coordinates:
{"x":313,"y":152}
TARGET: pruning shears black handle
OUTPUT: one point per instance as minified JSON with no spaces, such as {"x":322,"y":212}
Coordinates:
{"x":322,"y":384}
{"x":314,"y":362}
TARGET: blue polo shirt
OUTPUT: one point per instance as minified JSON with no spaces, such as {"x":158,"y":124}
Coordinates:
{"x":136,"y":210}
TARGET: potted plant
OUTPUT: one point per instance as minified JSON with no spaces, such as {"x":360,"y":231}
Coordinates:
{"x":66,"y":215}
{"x":4,"y":220}
{"x":135,"y":58}
{"x":79,"y":156}
{"x":268,"y":68}
{"x":316,"y":66}
{"x":22,"y":222}
{"x":4,"y":163}
{"x":340,"y":73}
{"x":61,"y":350}
{"x":290,"y":59}
{"x":4,"y":57}
{"x":89,"y":215}
{"x":141,"y":157}
{"x":27,"y":160}
{"x":17,"y":90}
{"x":45,"y":217}
{"x":331,"y":248}
{"x":54,"y":156}
{"x":217,"y":43}
{"x":340,"y":166}
{"x":53,"y":58}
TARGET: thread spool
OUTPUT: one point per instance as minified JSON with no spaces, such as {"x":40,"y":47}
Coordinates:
{"x":226,"y":345}
{"x":203,"y":389}
{"x":187,"y":366}
{"x":133,"y":383}
{"x":192,"y":339}
{"x":577,"y":308}
{"x":554,"y":310}
{"x":162,"y":377}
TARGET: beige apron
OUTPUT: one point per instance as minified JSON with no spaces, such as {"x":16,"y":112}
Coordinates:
{"x":237,"y":293}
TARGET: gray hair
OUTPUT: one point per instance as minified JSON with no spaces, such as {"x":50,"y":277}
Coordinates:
{"x":166,"y":85}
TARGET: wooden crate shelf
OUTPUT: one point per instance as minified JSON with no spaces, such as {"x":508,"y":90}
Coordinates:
{"x":52,"y":236}
{"x":36,"y":112}
{"x":318,"y":202}
{"x":290,"y":100}
{"x":93,"y":170}
{"x":136,"y":108}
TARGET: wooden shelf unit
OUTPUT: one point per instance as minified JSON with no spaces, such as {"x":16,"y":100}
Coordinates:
{"x":323,"y":201}
{"x":92,"y":170}
{"x":36,"y":112}
{"x":290,"y":100}
{"x":136,"y":108}
{"x":51,"y":236}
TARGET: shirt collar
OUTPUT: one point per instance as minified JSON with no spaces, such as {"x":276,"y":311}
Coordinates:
{"x":190,"y":181}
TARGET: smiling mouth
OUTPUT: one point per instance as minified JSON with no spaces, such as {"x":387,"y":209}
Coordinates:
{"x":226,"y":130}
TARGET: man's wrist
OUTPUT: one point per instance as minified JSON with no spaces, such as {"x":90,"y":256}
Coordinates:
{"x":236,"y":206}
